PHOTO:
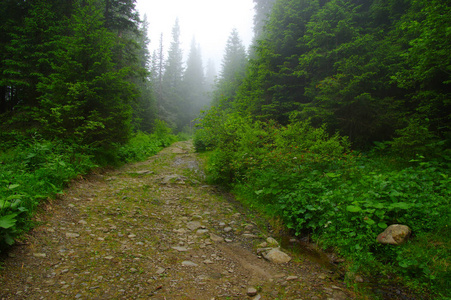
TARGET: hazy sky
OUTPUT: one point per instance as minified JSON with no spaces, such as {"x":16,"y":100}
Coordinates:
{"x":209,"y":21}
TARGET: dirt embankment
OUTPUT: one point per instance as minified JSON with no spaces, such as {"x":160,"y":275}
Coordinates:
{"x":154,"y":230}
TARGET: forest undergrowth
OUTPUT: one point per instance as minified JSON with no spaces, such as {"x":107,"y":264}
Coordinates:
{"x":340,"y":198}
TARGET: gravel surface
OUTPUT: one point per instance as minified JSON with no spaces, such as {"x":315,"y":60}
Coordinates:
{"x":155,"y":230}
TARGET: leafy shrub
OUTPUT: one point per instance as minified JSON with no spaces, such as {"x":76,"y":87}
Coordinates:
{"x":142,"y":145}
{"x":318,"y":186}
{"x":31,"y":172}
{"x":35,"y":169}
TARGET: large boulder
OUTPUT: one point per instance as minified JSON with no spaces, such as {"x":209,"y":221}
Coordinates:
{"x":395,"y":234}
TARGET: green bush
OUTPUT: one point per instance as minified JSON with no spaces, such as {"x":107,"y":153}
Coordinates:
{"x":318,"y":186}
{"x":35,"y":169}
{"x":31,"y":172}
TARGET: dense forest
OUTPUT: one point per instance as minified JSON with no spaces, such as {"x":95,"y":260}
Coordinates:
{"x":336,"y":121}
{"x":76,"y":94}
{"x":339,"y":126}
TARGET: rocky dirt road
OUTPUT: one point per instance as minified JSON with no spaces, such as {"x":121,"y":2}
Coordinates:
{"x":154,"y":230}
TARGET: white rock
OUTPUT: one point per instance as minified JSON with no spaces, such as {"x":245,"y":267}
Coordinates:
{"x":188,"y":263}
{"x":72,"y":235}
{"x":194,"y":225}
{"x":272,"y":242}
{"x":216,"y":238}
{"x":251,"y":292}
{"x":277,"y":256}
{"x":180,"y":249}
{"x":395,"y":234}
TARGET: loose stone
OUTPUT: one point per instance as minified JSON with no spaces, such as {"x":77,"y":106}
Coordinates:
{"x":251,"y":292}
{"x":277,"y":256}
{"x":180,"y":249}
{"x":272,"y":242}
{"x":228,"y":229}
{"x":216,"y":238}
{"x":193,"y":225}
{"x":188,"y":263}
{"x":201,"y":231}
{"x":72,"y":235}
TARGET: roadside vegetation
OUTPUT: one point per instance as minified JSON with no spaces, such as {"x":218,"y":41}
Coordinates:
{"x":339,"y":125}
{"x":342,"y":199}
{"x":34,"y":169}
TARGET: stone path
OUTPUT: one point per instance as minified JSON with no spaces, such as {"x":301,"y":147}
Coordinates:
{"x":154,"y":230}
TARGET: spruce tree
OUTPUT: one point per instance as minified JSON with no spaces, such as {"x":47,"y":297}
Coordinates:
{"x":233,"y":70}
{"x":193,"y":85}
{"x":171,"y":99}
{"x":144,"y":108}
{"x":86,"y":98}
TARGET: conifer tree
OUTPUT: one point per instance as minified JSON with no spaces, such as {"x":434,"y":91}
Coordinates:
{"x":193,"y":85}
{"x":210,"y":75}
{"x":87,"y":99}
{"x":144,"y":108}
{"x":262,"y":10}
{"x":233,"y":69}
{"x":172,"y":80}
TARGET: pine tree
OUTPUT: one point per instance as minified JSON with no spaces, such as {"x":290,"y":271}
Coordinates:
{"x":121,"y":16}
{"x":233,"y":69}
{"x":193,"y":85}
{"x":86,"y":98}
{"x":144,"y":109}
{"x":210,"y":76}
{"x":28,"y":51}
{"x":157,"y":71}
{"x":171,"y":100}
{"x":262,"y":10}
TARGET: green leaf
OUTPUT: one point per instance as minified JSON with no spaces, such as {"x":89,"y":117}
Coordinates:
{"x":13,"y":197}
{"x":353,"y":208}
{"x":382,"y":225}
{"x":332,"y":175}
{"x":8,"y":221}
{"x":369,"y":221}
{"x":401,"y":205}
{"x":13,"y":186}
